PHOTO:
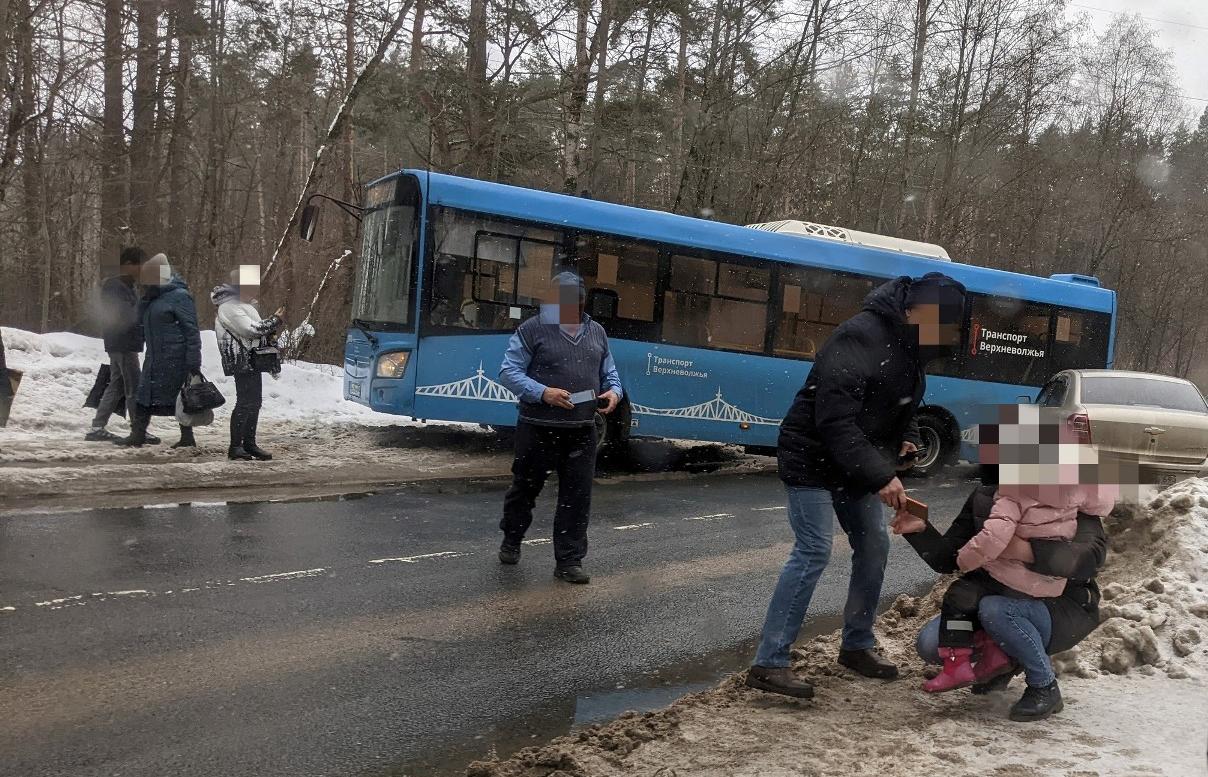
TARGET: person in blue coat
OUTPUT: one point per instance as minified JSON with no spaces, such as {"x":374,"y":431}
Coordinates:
{"x":173,"y":352}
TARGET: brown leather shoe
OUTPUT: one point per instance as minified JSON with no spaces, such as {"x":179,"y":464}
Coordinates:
{"x":779,"y":680}
{"x":869,"y":663}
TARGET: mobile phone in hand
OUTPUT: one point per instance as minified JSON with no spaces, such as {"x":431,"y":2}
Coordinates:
{"x":916,"y":508}
{"x":601,"y":403}
{"x":910,"y":457}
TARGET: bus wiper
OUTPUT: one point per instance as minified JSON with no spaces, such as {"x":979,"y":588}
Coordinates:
{"x":362,"y":327}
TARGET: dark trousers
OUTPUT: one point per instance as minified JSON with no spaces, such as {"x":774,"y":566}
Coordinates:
{"x":124,"y":376}
{"x":958,"y":613}
{"x":540,"y":450}
{"x":249,"y":387}
{"x":140,"y":419}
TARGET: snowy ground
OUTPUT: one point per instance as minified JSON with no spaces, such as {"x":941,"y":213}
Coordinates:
{"x":322,"y":443}
{"x":1136,"y":693}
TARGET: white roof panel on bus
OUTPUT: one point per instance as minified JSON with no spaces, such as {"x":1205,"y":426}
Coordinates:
{"x":810,"y":229}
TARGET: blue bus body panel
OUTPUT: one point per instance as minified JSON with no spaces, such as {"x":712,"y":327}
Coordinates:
{"x":675,"y":391}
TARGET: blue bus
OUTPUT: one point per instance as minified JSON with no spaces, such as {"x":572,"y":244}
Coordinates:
{"x":713,"y":326}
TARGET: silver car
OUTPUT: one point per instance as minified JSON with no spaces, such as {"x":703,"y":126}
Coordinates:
{"x":1158,"y":421}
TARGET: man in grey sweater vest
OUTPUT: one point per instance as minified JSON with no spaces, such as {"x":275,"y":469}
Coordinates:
{"x":556,"y":364}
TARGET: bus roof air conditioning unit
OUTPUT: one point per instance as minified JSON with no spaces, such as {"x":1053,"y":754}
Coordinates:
{"x":810,"y":229}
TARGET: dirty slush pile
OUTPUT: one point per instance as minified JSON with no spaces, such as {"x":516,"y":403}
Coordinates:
{"x":1154,"y":629}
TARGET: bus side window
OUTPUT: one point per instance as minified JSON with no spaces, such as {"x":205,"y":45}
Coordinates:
{"x":1080,"y":339}
{"x":812,"y":303}
{"x":628,"y":271}
{"x":716,"y":304}
{"x":489,"y":274}
{"x":1009,"y":341}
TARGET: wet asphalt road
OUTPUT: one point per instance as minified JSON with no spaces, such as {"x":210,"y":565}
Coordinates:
{"x":378,"y":635}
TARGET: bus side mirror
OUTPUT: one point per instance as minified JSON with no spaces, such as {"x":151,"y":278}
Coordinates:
{"x":308,"y":222}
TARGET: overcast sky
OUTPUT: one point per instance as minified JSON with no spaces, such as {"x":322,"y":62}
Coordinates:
{"x":1182,"y":27}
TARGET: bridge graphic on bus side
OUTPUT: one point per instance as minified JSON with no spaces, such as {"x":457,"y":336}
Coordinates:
{"x":716,"y":409}
{"x":478,"y":387}
{"x":483,"y":389}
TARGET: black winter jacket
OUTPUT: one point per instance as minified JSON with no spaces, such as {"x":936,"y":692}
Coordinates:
{"x":121,"y":327}
{"x":1075,"y":613}
{"x":173,"y":343}
{"x":849,"y":420}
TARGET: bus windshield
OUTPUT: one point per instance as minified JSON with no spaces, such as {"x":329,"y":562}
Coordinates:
{"x":386,"y":273}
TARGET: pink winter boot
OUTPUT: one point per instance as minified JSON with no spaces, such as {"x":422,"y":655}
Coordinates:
{"x":957,"y":672}
{"x":992,"y":661}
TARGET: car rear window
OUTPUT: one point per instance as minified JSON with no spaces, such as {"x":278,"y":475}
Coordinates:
{"x":1143,"y":393}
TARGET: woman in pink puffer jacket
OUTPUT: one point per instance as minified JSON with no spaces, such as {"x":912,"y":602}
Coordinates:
{"x":1029,"y":511}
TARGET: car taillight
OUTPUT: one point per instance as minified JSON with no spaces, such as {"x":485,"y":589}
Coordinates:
{"x":1081,"y":426}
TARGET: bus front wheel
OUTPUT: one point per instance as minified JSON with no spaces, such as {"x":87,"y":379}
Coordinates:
{"x":936,"y":447}
{"x":612,"y":430}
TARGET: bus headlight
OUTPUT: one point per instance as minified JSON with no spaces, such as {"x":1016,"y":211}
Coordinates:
{"x":391,"y":365}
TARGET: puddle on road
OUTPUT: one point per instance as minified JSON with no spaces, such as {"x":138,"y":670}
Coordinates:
{"x":640,"y":693}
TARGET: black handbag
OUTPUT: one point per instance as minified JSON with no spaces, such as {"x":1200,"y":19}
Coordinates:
{"x":199,"y":395}
{"x":265,"y":358}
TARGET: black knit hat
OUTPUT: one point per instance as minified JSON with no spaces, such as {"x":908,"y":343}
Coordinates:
{"x":935,"y":288}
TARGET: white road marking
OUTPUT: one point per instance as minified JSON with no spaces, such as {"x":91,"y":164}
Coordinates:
{"x":542,"y":541}
{"x":763,"y":509}
{"x":713,"y":517}
{"x":415,"y":559}
{"x":283,"y":576}
{"x":135,"y":592}
{"x":164,"y":506}
{"x":8,"y":609}
{"x":633,"y":526}
{"x":59,"y":602}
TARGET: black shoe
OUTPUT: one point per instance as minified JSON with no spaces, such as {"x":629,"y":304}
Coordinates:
{"x":996,"y":684}
{"x":100,"y":435}
{"x":151,"y":439}
{"x":238,"y":454}
{"x":186,"y":438}
{"x":1038,"y":703}
{"x":257,"y":452}
{"x":133,"y":441}
{"x":509,"y":553}
{"x":779,"y":680}
{"x":572,"y":575}
{"x":868,"y":663}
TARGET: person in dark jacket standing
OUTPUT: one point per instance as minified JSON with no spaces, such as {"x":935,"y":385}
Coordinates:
{"x":841,"y":446}
{"x":1027,"y":630}
{"x":122,"y":332}
{"x":169,"y":320}
{"x":556,"y":362}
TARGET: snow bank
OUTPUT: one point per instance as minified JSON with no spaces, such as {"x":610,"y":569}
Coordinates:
{"x":1135,"y":692}
{"x":59,"y":369}
{"x":1155,"y":609}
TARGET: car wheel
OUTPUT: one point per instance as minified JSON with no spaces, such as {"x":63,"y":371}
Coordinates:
{"x":934,"y":448}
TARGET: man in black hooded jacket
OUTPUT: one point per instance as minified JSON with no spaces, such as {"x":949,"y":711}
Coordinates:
{"x":841,"y":445}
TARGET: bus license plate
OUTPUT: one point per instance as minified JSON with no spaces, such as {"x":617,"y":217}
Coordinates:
{"x":354,"y":389}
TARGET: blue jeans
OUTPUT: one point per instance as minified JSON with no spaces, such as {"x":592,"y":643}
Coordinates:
{"x":1021,"y":627}
{"x":810,"y":514}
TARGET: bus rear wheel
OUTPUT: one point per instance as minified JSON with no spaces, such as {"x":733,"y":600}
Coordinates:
{"x":934,"y":433}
